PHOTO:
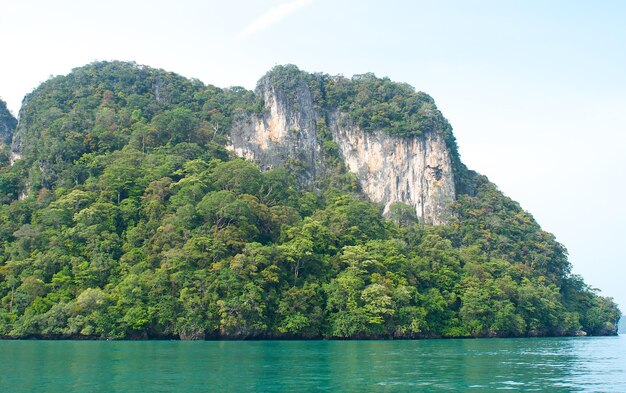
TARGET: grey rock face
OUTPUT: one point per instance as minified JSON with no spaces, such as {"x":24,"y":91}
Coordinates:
{"x":416,"y":171}
{"x":286,"y":132}
{"x":413,"y":170}
{"x":7,"y":125}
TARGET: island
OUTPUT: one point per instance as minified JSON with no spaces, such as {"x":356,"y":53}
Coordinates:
{"x":136,"y":203}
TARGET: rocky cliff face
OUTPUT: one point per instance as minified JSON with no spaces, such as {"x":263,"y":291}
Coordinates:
{"x":7,"y":125}
{"x":413,"y":170}
{"x":285,"y":133}
{"x":416,"y":171}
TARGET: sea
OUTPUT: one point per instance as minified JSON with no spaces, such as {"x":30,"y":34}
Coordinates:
{"x":580,"y":364}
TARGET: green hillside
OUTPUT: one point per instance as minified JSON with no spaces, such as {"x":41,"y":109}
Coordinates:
{"x":126,"y":217}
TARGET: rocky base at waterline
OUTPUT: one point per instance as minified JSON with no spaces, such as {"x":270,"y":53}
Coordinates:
{"x":202,"y":336}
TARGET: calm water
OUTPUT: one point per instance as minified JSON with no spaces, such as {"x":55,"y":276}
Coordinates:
{"x":553,"y":364}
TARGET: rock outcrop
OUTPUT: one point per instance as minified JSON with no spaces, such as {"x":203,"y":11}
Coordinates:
{"x":7,"y":125}
{"x":285,"y":132}
{"x":414,"y":170}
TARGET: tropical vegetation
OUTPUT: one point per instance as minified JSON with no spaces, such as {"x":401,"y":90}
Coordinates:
{"x":127,"y":218}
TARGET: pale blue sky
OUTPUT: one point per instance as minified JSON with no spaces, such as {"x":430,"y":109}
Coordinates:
{"x":535,"y":90}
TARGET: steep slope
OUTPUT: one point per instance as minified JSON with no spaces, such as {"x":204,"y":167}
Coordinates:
{"x":284,"y":132}
{"x":407,"y":163}
{"x":7,"y":124}
{"x":7,"y":128}
{"x":126,"y":217}
{"x":413,"y":170}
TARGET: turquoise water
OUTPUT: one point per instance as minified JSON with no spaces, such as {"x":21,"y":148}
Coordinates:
{"x":541,"y":364}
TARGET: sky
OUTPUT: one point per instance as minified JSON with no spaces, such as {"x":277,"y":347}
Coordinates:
{"x":535,"y":90}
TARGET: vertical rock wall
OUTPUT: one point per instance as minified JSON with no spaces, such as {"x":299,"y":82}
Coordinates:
{"x":7,"y":125}
{"x":414,"y":170}
{"x":285,"y":133}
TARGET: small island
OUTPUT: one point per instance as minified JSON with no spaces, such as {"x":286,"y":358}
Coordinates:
{"x":139,"y":204}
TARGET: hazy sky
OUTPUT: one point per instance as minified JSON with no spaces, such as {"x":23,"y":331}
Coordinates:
{"x":535,"y":90}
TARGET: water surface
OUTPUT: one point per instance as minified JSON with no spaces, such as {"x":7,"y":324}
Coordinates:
{"x":541,"y":364}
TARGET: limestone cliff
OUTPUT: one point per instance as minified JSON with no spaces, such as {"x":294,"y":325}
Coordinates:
{"x":7,"y":125}
{"x":285,"y":132}
{"x":415,"y":170}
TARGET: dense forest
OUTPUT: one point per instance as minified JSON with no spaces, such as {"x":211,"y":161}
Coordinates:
{"x":125,"y":217}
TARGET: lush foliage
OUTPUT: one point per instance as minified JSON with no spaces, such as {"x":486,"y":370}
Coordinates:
{"x":135,"y":222}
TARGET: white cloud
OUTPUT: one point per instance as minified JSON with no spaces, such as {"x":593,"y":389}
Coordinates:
{"x":273,"y":16}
